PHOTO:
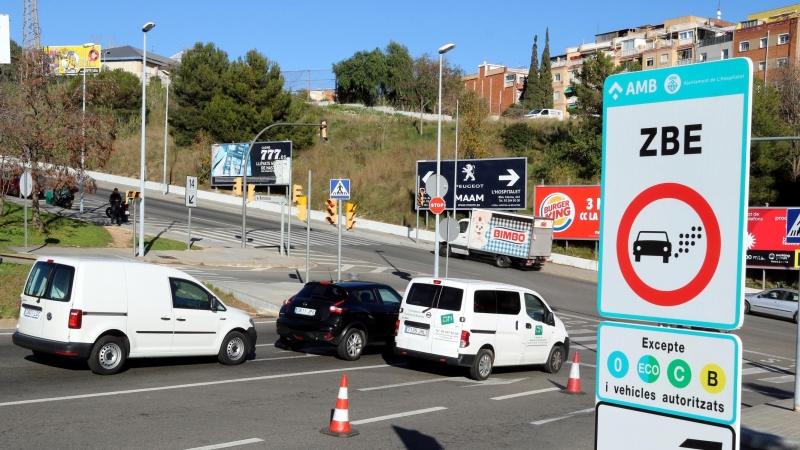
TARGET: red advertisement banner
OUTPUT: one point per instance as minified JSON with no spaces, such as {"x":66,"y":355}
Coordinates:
{"x":766,"y":239}
{"x":575,"y":210}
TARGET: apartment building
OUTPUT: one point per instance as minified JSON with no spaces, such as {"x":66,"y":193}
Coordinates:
{"x":499,"y":85}
{"x":129,"y":59}
{"x":769,"y":39}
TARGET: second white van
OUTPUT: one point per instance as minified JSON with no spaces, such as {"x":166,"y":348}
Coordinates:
{"x":107,"y":311}
{"x":545,"y":114}
{"x":478,"y":324}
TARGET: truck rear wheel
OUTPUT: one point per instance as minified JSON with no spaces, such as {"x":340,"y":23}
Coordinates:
{"x":502,"y":261}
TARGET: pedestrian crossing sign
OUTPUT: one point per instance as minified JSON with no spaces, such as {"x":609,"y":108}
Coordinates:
{"x":340,"y":189}
{"x":793,"y":225}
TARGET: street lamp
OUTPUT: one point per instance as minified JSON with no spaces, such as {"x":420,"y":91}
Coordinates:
{"x":147,"y":27}
{"x":83,"y":120}
{"x":444,"y":49}
{"x":166,"y":125}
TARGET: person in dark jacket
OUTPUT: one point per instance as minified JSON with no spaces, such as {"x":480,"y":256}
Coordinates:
{"x":115,"y":199}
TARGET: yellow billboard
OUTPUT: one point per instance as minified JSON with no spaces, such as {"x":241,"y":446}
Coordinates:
{"x":73,"y":59}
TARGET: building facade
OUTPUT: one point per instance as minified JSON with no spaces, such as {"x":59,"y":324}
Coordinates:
{"x":769,"y":39}
{"x":499,"y":85}
{"x":129,"y":59}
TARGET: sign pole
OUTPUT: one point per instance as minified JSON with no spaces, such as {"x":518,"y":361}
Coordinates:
{"x":134,"y":226}
{"x":339,"y":252}
{"x":797,"y":355}
{"x":416,"y":236}
{"x":447,"y":251}
{"x":308,"y":228}
{"x":25,"y":202}
{"x":189,"y":230}
{"x":282,"y":250}
{"x":289,"y":219}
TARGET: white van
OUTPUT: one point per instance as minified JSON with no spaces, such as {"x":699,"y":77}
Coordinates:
{"x":545,"y":114}
{"x":107,"y":311}
{"x":478,"y":324}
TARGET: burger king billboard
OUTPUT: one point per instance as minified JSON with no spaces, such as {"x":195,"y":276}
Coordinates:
{"x":575,"y":210}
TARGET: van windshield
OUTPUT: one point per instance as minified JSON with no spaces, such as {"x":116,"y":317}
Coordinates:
{"x":535,"y":111}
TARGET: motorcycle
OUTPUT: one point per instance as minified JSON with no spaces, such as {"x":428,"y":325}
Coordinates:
{"x":64,"y":200}
{"x":123,"y":212}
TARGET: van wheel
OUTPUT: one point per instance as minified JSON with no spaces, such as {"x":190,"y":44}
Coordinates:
{"x":108,"y":356}
{"x":445,"y":250}
{"x":555,"y":360}
{"x":502,"y":261}
{"x":233,"y":350}
{"x":352,"y":345}
{"x":746,"y":307}
{"x":482,"y":366}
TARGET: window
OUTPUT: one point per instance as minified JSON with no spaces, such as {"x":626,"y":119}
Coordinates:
{"x":365,"y":296}
{"x":744,"y":46}
{"x":762,"y":42}
{"x":762,"y":65}
{"x":462,"y":226}
{"x":649,"y":62}
{"x":556,"y":95}
{"x":508,"y":303}
{"x":50,"y":281}
{"x":37,"y":281}
{"x":324,"y":292}
{"x":510,"y":79}
{"x":725,"y":53}
{"x":783,"y":39}
{"x":485,"y":302}
{"x":775,"y":295}
{"x":450,"y":299}
{"x":544,"y":112}
{"x":422,"y":295}
{"x":61,"y":285}
{"x":664,"y":58}
{"x":783,"y":62}
{"x":558,"y":77}
{"x":388,"y":297}
{"x":534,"y":307}
{"x":188,"y":295}
{"x":686,"y":34}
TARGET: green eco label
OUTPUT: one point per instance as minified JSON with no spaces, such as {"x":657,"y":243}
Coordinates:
{"x":648,"y":369}
{"x":447,"y":319}
{"x":538,"y":330}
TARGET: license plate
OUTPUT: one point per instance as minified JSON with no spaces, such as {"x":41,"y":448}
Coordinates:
{"x":305,"y":311}
{"x":32,"y":313}
{"x":127,"y":213}
{"x":417,"y":331}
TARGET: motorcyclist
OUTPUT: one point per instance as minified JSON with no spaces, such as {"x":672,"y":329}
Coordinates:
{"x":115,"y":199}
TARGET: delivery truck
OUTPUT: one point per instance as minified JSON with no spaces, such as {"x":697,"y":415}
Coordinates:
{"x":507,"y":238}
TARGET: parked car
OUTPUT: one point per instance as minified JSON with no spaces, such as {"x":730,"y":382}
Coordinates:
{"x":479,"y":325}
{"x":106,"y":311}
{"x":545,"y":114}
{"x":774,"y":302}
{"x":348,"y":314}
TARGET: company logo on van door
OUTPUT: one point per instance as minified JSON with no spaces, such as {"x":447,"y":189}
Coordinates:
{"x":560,"y":208}
{"x":447,"y":319}
{"x":513,"y":236}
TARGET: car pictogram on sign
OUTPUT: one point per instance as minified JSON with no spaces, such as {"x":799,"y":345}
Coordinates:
{"x":652,"y":243}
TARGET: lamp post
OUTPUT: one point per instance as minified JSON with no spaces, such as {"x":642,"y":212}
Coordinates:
{"x":83,"y":121}
{"x":444,"y":49}
{"x":147,"y":27}
{"x":166,"y":125}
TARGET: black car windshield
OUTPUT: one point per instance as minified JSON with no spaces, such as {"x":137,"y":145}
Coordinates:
{"x":652,"y":236}
{"x":324,"y":292}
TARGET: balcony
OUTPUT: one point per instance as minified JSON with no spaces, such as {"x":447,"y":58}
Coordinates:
{"x":684,"y":62}
{"x":716,"y":40}
{"x":561,"y":63}
{"x":650,"y":46}
{"x":630,"y":51}
{"x":686,"y":41}
{"x":572,"y":49}
{"x":666,"y":43}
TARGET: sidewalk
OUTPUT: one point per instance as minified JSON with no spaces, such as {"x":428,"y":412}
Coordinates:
{"x":771,"y":426}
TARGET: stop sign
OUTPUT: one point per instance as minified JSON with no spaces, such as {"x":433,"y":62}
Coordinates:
{"x":436,"y":205}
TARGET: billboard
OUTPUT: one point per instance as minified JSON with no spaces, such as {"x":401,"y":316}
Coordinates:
{"x":73,"y":59}
{"x":766,"y":240}
{"x":269,"y":164}
{"x":575,"y":210}
{"x":5,"y":40}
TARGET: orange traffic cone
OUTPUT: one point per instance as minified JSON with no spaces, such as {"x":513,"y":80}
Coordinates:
{"x":574,"y":383}
{"x":340,"y":423}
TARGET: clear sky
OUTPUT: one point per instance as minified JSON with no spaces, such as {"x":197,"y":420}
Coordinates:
{"x":312,"y":35}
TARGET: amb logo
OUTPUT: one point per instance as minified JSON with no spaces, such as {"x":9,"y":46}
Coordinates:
{"x":560,"y":208}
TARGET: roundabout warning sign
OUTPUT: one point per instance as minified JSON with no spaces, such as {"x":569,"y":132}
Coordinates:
{"x":676,"y":146}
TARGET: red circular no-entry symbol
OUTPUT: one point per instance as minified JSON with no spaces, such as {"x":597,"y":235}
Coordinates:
{"x":694,"y":287}
{"x":436,"y":205}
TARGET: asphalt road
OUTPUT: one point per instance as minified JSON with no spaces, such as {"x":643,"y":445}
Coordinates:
{"x":284,"y":398}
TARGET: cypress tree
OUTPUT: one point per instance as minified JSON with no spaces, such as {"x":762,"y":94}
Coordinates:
{"x":545,"y":75}
{"x":531,"y":89}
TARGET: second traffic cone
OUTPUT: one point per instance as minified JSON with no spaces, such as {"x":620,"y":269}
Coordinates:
{"x":574,"y":383}
{"x":340,"y":423}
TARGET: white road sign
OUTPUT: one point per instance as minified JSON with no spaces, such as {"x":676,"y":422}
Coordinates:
{"x":191,"y":192}
{"x":676,"y":158}
{"x":653,"y":431}
{"x":26,"y":184}
{"x":687,"y":373}
{"x":271,"y":198}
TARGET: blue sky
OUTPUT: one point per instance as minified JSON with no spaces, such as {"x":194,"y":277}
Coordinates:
{"x":315,"y":34}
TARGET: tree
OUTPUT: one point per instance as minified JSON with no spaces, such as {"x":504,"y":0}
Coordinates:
{"x":588,"y":85}
{"x":767,"y":163}
{"x":114,"y":92}
{"x":545,"y":75}
{"x":8,"y":72}
{"x":473,"y":112}
{"x":530,"y":90}
{"x":787,"y":84}
{"x":41,"y":125}
{"x":361,"y":77}
{"x":399,"y":68}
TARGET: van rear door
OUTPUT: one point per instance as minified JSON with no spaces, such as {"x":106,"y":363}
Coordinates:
{"x":416,"y":316}
{"x":31,"y":313}
{"x":447,"y":324}
{"x":57,"y":303}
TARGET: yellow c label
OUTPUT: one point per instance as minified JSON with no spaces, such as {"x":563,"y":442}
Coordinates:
{"x":712,"y":378}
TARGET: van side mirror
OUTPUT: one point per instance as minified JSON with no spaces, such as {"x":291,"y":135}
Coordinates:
{"x":213,"y":303}
{"x":549,"y":318}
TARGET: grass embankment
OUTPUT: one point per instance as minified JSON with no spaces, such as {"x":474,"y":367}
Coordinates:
{"x":12,"y":278}
{"x":59,"y":231}
{"x":230,"y":300}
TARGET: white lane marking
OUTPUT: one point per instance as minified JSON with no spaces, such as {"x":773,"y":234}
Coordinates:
{"x":379,"y":270}
{"x":522,"y":394}
{"x":778,"y":380}
{"x":586,"y":346}
{"x":565,"y":416}
{"x":573,"y":322}
{"x":767,"y":354}
{"x":6,"y":334}
{"x":228,"y":444}
{"x":753,"y":371}
{"x":496,"y":382}
{"x":578,"y":317}
{"x":395,"y":416}
{"x":267,"y":321}
{"x":410,"y":383}
{"x":307,"y":355}
{"x":583,"y":364}
{"x":191,"y":385}
{"x":258,"y":269}
{"x":265,"y":345}
{"x":571,"y":332}
{"x":582,"y":339}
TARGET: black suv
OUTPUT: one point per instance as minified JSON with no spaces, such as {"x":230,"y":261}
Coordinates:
{"x":347,"y":314}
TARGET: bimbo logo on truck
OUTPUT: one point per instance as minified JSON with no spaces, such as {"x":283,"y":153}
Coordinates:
{"x":560,"y":208}
{"x":513,"y":236}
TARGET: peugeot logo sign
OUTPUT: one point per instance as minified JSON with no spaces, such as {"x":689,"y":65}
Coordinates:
{"x":49,"y":316}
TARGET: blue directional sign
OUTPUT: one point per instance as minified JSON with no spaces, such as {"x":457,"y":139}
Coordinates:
{"x":340,"y":189}
{"x":496,"y":183}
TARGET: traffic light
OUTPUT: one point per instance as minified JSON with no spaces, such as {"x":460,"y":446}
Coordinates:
{"x":323,"y":129}
{"x":237,"y":186}
{"x":330,"y":209}
{"x":302,"y":203}
{"x":421,"y":197}
{"x":351,"y":214}
{"x":130,"y":196}
{"x":297,"y":191}
{"x":251,"y":192}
